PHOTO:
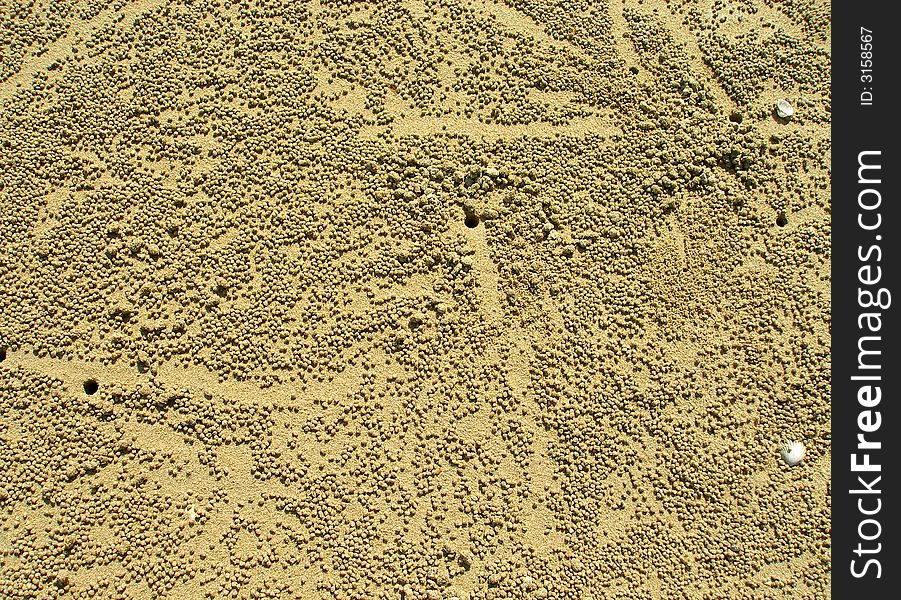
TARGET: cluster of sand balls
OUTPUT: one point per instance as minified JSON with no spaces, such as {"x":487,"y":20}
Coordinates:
{"x":277,"y":321}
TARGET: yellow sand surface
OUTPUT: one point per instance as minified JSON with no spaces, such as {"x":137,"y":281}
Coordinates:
{"x":414,"y":299}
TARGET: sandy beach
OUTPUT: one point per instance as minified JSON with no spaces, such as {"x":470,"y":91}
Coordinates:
{"x":415,"y":299}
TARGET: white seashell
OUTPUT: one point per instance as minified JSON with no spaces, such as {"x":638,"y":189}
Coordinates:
{"x":784,"y":109}
{"x":792,"y":453}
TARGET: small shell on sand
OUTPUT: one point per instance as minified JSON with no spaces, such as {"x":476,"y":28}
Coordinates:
{"x":784,"y":109}
{"x":792,"y":453}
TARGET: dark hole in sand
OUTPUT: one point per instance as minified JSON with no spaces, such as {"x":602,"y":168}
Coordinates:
{"x":91,"y":386}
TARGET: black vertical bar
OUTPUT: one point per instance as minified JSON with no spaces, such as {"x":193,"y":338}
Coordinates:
{"x":865,"y":266}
